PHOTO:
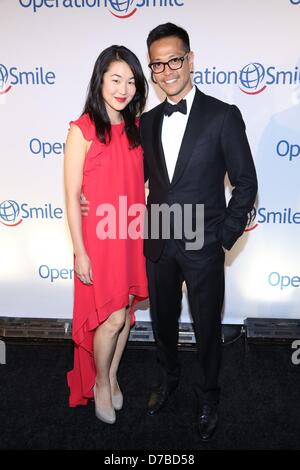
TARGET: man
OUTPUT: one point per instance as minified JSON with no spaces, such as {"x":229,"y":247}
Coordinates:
{"x":190,"y":141}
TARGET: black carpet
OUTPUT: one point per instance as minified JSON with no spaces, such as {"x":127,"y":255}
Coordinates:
{"x":259,"y":409}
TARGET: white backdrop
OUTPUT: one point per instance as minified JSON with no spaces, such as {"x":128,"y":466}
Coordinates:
{"x":246,"y":52}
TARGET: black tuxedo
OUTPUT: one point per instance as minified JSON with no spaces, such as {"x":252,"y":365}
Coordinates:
{"x":214,"y":143}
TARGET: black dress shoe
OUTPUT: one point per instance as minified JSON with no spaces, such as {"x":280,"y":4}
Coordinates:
{"x":159,"y":397}
{"x":208,"y":421}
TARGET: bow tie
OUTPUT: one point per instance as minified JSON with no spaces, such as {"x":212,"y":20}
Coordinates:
{"x":173,"y":108}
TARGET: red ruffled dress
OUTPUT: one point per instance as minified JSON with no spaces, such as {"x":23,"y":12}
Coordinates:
{"x":113,"y":182}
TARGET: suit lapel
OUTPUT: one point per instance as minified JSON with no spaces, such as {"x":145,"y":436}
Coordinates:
{"x":193,"y":130}
{"x":157,"y":143}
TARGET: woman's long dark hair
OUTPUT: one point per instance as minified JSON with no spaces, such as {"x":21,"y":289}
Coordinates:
{"x":95,"y":105}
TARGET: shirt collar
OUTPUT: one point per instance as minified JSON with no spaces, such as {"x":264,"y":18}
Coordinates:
{"x":189,"y":99}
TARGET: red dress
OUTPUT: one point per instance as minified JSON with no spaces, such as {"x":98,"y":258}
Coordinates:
{"x":118,"y":265}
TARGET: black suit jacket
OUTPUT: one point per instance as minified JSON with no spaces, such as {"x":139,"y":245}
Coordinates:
{"x":214,"y":143}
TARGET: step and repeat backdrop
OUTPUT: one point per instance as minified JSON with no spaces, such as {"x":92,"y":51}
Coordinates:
{"x":246,"y":53}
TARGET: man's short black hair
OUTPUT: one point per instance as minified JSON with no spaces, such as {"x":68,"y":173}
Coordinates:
{"x":166,"y":30}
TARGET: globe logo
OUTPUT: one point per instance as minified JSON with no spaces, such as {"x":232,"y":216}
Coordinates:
{"x":251,"y":219}
{"x":121,"y":8}
{"x":9,"y":213}
{"x":251,"y":77}
{"x":3,"y":76}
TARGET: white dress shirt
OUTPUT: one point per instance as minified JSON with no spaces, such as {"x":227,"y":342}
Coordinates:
{"x":173,"y":129}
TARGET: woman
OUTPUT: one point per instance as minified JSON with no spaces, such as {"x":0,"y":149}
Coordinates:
{"x":103,"y":160}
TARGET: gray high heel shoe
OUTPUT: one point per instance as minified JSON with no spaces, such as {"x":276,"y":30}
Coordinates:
{"x":107,"y":415}
{"x":117,"y":401}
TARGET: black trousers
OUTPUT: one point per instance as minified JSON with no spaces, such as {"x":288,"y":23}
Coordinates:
{"x":203,"y":272}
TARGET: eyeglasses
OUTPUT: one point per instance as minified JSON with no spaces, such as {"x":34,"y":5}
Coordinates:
{"x":174,"y":64}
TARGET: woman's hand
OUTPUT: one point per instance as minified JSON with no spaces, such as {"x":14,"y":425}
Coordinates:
{"x":83,"y":268}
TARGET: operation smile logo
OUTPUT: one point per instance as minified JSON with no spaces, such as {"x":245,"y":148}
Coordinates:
{"x":125,"y":8}
{"x":251,"y":223}
{"x":252,"y":79}
{"x":122,"y":8}
{"x":12,"y":213}
{"x":4,"y":87}
{"x":13,"y":76}
{"x":262,"y":216}
{"x":119,"y":8}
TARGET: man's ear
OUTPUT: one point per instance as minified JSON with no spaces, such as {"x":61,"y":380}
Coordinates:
{"x":191,"y":61}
